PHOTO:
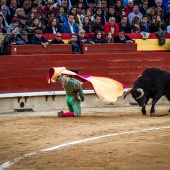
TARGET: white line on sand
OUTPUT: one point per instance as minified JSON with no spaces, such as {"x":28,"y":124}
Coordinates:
{"x":9,"y":163}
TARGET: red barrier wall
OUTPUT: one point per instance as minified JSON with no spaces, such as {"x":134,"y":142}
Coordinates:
{"x":26,"y":73}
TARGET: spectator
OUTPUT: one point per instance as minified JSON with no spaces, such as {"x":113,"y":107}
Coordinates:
{"x":39,"y":39}
{"x":53,"y":27}
{"x":157,"y":24}
{"x":112,"y":13}
{"x":86,"y":24}
{"x":124,"y":25}
{"x":96,"y":24}
{"x":159,"y":4}
{"x":120,"y":14}
{"x":168,"y":27}
{"x":150,"y":14}
{"x":73,"y":12}
{"x":144,"y":7}
{"x":2,"y":28}
{"x":26,"y":7}
{"x":19,"y":12}
{"x":50,"y":7}
{"x":104,"y":8}
{"x":118,"y":7}
{"x":13,"y":38}
{"x":62,"y":18}
{"x":89,"y":13}
{"x":122,"y":38}
{"x":99,"y":12}
{"x":158,"y":11}
{"x":57,"y":39}
{"x":111,"y":26}
{"x":135,"y":12}
{"x":65,"y":5}
{"x":75,"y":46}
{"x":92,"y":5}
{"x":81,"y":38}
{"x":70,"y":26}
{"x":80,"y":9}
{"x":37,"y":4}
{"x":109,"y":38}
{"x":144,"y":25}
{"x":46,"y":17}
{"x":36,"y":23}
{"x":3,"y":2}
{"x":99,"y":38}
{"x":6,"y":17}
{"x":13,"y":25}
{"x":136,"y":24}
{"x":22,"y":23}
{"x":24,"y":37}
{"x":129,"y":7}
{"x":31,"y":15}
{"x":12,"y":8}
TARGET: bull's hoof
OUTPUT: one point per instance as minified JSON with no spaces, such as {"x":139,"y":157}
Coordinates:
{"x":144,"y":114}
{"x":169,"y":110}
{"x":152,"y":114}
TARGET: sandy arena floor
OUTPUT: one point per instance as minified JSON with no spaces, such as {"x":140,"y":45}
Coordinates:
{"x":33,"y":141}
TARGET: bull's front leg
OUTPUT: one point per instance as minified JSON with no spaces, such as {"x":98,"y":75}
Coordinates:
{"x":144,"y":107}
{"x":143,"y":110}
{"x":157,"y":96}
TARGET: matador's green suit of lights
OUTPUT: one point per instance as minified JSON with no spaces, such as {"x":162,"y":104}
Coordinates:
{"x":73,"y":88}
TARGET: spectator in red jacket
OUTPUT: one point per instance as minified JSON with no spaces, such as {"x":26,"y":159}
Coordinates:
{"x":111,"y":26}
{"x":50,"y":7}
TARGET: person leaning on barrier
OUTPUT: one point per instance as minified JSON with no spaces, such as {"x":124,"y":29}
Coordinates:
{"x":109,"y":37}
{"x":75,"y":45}
{"x":38,"y":38}
{"x":81,"y":38}
{"x":121,"y":38}
{"x":12,"y":38}
{"x":57,"y":39}
{"x":98,"y":37}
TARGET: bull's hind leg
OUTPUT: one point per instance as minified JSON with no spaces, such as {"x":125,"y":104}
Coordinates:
{"x":168,"y":97}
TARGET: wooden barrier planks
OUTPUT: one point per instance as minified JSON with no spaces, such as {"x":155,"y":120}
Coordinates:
{"x":39,"y":49}
{"x":109,"y":48}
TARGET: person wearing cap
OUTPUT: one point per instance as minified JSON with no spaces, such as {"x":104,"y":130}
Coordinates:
{"x":24,"y":37}
{"x":39,"y":39}
{"x":73,"y":89}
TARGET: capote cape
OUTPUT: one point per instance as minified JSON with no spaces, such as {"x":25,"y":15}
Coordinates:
{"x":106,"y":89}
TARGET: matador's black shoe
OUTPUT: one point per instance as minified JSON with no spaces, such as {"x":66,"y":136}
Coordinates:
{"x":60,"y":114}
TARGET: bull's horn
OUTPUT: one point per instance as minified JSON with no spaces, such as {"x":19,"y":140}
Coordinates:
{"x":141,"y":91}
{"x":129,"y":91}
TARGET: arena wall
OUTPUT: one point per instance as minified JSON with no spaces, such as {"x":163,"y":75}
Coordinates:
{"x":27,"y":73}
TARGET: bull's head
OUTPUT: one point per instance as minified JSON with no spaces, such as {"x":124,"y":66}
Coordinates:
{"x":138,"y":95}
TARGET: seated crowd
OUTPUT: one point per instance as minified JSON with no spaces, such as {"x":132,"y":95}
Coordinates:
{"x":25,"y":21}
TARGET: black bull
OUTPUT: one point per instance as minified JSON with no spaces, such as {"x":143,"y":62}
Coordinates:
{"x":153,"y":83}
